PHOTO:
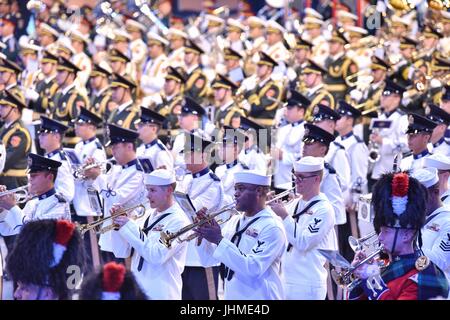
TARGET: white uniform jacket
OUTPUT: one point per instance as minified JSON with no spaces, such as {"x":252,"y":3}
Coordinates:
{"x":49,"y":205}
{"x":312,"y":230}
{"x":289,"y":140}
{"x":122,"y":185}
{"x":226,"y":173}
{"x":254,"y":159}
{"x":331,"y":188}
{"x":158,"y":154}
{"x":153,"y":75}
{"x":156,"y":268}
{"x":414,"y":162}
{"x":65,"y":183}
{"x":337,"y":158}
{"x":442,"y":147}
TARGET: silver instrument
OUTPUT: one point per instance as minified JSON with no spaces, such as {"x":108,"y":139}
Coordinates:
{"x":79,"y":171}
{"x":21,"y":194}
{"x":145,"y":9}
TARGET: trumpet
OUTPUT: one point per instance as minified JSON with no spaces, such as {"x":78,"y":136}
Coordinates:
{"x":79,"y":172}
{"x":280,"y":195}
{"x":167,"y":237}
{"x":21,"y":194}
{"x":83,"y":228}
{"x":358,"y":244}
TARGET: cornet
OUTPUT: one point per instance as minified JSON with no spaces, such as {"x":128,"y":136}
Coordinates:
{"x":167,"y":237}
{"x":79,"y":172}
{"x":83,"y":228}
{"x":20,"y":193}
{"x":358,"y":244}
{"x":280,"y":195}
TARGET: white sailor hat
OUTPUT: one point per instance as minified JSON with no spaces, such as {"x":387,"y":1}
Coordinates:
{"x":310,"y":21}
{"x":273,"y":26}
{"x":252,"y":177}
{"x":254,"y":21}
{"x":235,"y":25}
{"x":309,"y":164}
{"x":428,"y":177}
{"x":160,"y":177}
{"x":176,"y":33}
{"x":310,"y":12}
{"x":345,"y":16}
{"x":155,"y":38}
{"x":438,"y":161}
{"x":132,"y":25}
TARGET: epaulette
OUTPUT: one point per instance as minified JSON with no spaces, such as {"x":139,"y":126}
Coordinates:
{"x":340,"y":146}
{"x":160,"y":145}
{"x":244,"y":166}
{"x":400,"y":111}
{"x":60,"y":198}
{"x":358,"y":139}
{"x":62,"y":155}
{"x":214,"y":177}
{"x":98,"y":145}
{"x":330,"y":168}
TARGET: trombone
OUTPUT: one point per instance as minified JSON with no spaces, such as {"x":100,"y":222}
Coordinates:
{"x":167,"y":237}
{"x":21,"y":194}
{"x":83,"y":228}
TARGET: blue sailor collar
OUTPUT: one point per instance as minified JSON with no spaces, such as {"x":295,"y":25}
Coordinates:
{"x":441,"y":141}
{"x":200,"y":173}
{"x":89,"y":140}
{"x":49,"y":193}
{"x":421,"y":155}
{"x":297,"y":123}
{"x":51,"y":154}
{"x":232,"y":164}
{"x":348,"y":135}
{"x":130,"y":164}
{"x":148,"y":145}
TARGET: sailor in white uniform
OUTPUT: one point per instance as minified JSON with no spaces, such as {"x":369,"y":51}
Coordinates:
{"x":442,"y":164}
{"x":442,"y":119}
{"x":256,"y":137}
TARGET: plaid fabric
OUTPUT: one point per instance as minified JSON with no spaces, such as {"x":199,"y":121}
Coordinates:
{"x":431,"y":281}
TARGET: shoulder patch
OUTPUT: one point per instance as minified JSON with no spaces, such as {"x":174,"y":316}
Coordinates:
{"x":98,"y":145}
{"x":214,"y":177}
{"x":160,"y":145}
{"x":60,"y":198}
{"x":330,"y":168}
{"x":358,"y":139}
{"x":340,"y":146}
{"x":62,"y":155}
{"x":15,"y":141}
{"x":244,"y":166}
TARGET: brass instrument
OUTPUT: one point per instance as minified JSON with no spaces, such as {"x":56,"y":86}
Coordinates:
{"x":148,"y":12}
{"x":79,"y":172}
{"x":83,"y":228}
{"x":402,"y":5}
{"x":280,"y":195}
{"x":168,"y":237}
{"x":21,"y":194}
{"x":358,"y":244}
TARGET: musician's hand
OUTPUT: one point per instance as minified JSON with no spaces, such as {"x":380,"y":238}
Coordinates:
{"x":92,"y":173}
{"x":277,"y":206}
{"x":7,"y":201}
{"x":376,"y":138}
{"x":120,"y":221}
{"x":210,"y":231}
{"x":362,"y":271}
{"x":201,"y":214}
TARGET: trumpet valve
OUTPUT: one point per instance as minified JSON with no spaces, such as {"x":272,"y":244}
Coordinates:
{"x":166,"y":239}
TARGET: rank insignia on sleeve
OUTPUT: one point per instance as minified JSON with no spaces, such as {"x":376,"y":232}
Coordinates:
{"x":445,"y":245}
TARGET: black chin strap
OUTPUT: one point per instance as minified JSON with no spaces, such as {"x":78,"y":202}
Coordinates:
{"x":395,"y":241}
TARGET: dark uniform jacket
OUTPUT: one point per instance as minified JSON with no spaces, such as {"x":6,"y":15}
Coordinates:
{"x":264,"y":100}
{"x":196,"y":84}
{"x":336,"y":78}
{"x":46,"y":90}
{"x":126,"y":117}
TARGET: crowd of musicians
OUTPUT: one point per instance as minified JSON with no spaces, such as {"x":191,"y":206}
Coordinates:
{"x":257,"y":133}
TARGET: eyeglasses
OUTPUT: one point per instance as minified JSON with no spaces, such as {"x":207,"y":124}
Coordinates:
{"x":301,"y":178}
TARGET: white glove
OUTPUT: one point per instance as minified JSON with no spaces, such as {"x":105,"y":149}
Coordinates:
{"x":31,"y":94}
{"x":381,"y":6}
{"x":356,"y":95}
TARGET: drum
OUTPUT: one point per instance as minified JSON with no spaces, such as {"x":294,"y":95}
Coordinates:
{"x":365,"y":210}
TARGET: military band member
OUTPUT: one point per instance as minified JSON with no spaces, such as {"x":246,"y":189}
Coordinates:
{"x":257,"y":43}
{"x":225,"y":111}
{"x":47,"y":37}
{"x":45,"y":88}
{"x":200,"y":278}
{"x":157,"y":268}
{"x":288,"y":145}
{"x":47,"y":279}
{"x":122,"y":185}
{"x":356,"y":150}
{"x":435,"y":242}
{"x":9,"y":74}
{"x":234,"y":32}
{"x":250,"y":246}
{"x":177,"y":39}
{"x":442,"y":119}
{"x":46,"y":202}
{"x":301,"y":53}
{"x":313,"y":30}
{"x":154,"y":69}
{"x":255,"y":137}
{"x":419,"y":134}
{"x":326,"y":119}
{"x":401,"y":69}
{"x":263,"y":93}
{"x":197,"y":82}
{"x":100,"y":100}
{"x":29,"y":56}
{"x":275,"y":47}
{"x":11,"y":49}
{"x":68,"y":100}
{"x":152,"y":148}
{"x":16,"y":139}
{"x":125,"y":113}
{"x":442,"y":164}
{"x":315,"y":89}
{"x":357,"y":51}
{"x":118,"y":62}
{"x":339,"y":67}
{"x":393,"y":140}
{"x":232,"y":144}
{"x":89,"y":147}
{"x":80,"y":42}
{"x":137,"y":46}
{"x":400,"y":209}
{"x":316,"y":143}
{"x":233,"y":66}
{"x":309,"y":225}
{"x":112,"y":282}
